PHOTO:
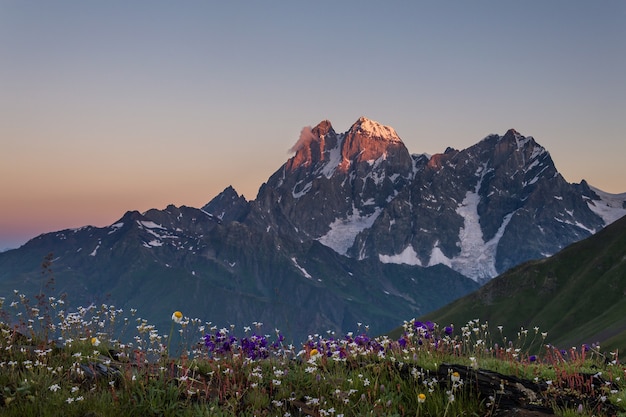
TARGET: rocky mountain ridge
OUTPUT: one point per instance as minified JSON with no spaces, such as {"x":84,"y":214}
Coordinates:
{"x":479,"y":211}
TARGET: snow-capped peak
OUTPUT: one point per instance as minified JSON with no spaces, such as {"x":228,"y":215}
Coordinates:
{"x":371,"y":128}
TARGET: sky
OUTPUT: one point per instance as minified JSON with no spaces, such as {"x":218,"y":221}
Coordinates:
{"x":113,"y":106}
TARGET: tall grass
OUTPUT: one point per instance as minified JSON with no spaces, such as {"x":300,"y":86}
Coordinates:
{"x":98,"y":361}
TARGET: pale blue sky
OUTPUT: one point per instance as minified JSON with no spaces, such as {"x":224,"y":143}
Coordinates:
{"x":113,"y":106}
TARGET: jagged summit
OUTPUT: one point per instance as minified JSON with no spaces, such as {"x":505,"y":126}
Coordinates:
{"x":323,"y":128}
{"x":367,"y":127}
{"x":228,"y":205}
{"x":520,"y":140}
{"x":365,"y":141}
{"x":369,"y":141}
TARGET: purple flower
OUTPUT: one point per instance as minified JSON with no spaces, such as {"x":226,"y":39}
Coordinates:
{"x":419,"y":324}
{"x":362,"y":340}
{"x":448,"y":330}
{"x":532,"y":358}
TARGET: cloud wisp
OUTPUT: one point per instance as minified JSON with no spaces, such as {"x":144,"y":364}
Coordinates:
{"x":306,"y":137}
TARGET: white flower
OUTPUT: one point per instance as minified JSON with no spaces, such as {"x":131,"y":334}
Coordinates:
{"x":177,"y":316}
{"x":54,"y":388}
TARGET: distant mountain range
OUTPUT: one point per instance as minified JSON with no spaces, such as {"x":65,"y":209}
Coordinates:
{"x":352,"y":228}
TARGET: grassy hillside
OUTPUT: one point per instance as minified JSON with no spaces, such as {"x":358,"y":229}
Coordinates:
{"x":577,"y":296}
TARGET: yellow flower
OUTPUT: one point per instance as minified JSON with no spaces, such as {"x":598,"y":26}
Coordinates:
{"x":177,"y":317}
{"x":421,"y":397}
{"x":314,"y":352}
{"x":455,"y":377}
{"x":95,"y":341}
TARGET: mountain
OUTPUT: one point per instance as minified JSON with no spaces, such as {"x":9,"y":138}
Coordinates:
{"x":186,"y":259}
{"x":577,"y":295}
{"x":478,"y":211}
{"x":352,"y":228}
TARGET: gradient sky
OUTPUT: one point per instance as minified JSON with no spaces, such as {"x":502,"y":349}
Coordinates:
{"x":113,"y":106}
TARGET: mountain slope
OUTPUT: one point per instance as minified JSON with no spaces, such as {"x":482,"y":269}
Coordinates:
{"x":227,"y":273}
{"x":577,"y":295}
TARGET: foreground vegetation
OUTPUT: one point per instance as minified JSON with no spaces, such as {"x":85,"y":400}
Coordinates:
{"x":96,"y":361}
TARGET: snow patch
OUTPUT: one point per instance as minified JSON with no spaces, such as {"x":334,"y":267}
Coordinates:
{"x":304,"y":272}
{"x":408,"y":256}
{"x":577,"y":224}
{"x":477,"y":258}
{"x":369,"y":202}
{"x":95,"y":251}
{"x":150,"y":224}
{"x":535,"y":179}
{"x":537,"y":151}
{"x":115,"y":227}
{"x":305,"y":189}
{"x":521,"y":140}
{"x":334,"y":159}
{"x":438,"y":257}
{"x":153,"y":243}
{"x":342,"y":232}
{"x":532,"y":165}
{"x":609,"y":207}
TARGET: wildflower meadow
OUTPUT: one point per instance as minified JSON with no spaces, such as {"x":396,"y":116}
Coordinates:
{"x":60,"y":360}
